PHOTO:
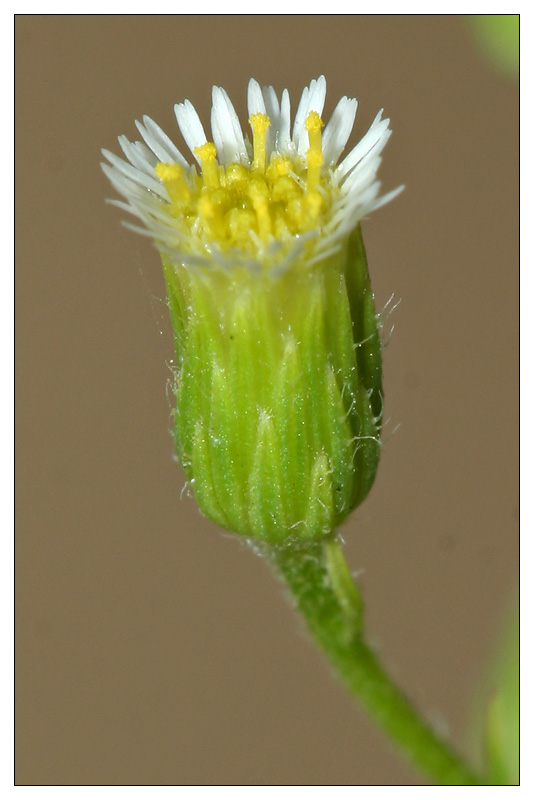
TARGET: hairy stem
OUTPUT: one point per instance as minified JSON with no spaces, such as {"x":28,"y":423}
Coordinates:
{"x":331,"y":603}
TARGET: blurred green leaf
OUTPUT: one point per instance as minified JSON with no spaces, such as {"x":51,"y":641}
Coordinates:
{"x":502,"y":712}
{"x":498,"y":37}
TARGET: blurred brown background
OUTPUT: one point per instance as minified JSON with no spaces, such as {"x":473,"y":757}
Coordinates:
{"x":152,"y":649}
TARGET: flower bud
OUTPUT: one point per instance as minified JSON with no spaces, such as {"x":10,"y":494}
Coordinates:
{"x":278,"y":375}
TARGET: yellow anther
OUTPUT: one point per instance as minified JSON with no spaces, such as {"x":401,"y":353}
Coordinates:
{"x":173,"y":177}
{"x":259,"y":124}
{"x":207,"y":154}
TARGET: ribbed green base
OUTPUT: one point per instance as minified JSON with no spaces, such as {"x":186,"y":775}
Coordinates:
{"x":278,"y":393}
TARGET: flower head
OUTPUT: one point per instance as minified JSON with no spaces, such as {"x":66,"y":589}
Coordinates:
{"x":278,"y":378}
{"x":261,"y":203}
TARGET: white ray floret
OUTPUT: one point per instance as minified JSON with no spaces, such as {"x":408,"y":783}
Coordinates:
{"x":337,"y":132}
{"x":272,"y":106}
{"x":190,"y":126}
{"x":376,"y":136}
{"x":284,"y":136}
{"x":255,"y":99}
{"x":312,"y":99}
{"x":122,"y":173}
{"x":159,"y":142}
{"x":139,"y":155}
{"x":226,"y":129}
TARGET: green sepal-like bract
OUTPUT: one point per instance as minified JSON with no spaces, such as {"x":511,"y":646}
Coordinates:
{"x":278,"y":392}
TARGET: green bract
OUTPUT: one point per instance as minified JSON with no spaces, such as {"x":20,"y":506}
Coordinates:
{"x":278,"y":393}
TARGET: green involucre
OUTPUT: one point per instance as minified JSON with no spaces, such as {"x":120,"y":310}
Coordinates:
{"x":278,"y":393}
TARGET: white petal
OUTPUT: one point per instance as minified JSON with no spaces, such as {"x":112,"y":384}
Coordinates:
{"x":190,"y":126}
{"x":139,"y":155}
{"x":364,"y":172}
{"x":255,"y":101}
{"x":132,"y":208}
{"x":358,"y":207}
{"x":312,"y":100}
{"x":121,"y":168}
{"x":144,"y":153}
{"x":284,"y":136}
{"x":338,"y":130}
{"x":300,"y":116}
{"x":164,"y":141}
{"x":272,"y":107}
{"x":376,"y":136}
{"x":146,"y":205}
{"x":136,"y":195}
{"x":226,"y":130}
{"x":317,"y":95}
{"x":386,"y":198}
{"x":159,"y":142}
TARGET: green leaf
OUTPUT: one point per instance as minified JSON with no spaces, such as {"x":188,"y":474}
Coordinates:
{"x":498,"y":38}
{"x":502,"y":712}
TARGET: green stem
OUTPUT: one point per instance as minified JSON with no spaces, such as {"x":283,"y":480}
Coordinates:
{"x":320,"y":582}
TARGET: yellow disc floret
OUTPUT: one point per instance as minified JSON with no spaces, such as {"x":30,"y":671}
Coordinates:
{"x":276,"y":197}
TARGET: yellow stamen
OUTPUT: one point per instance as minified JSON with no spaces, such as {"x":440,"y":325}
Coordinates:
{"x":314,"y":156}
{"x":259,"y":124}
{"x":237,"y":204}
{"x":208,"y":154}
{"x":173,"y":177}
